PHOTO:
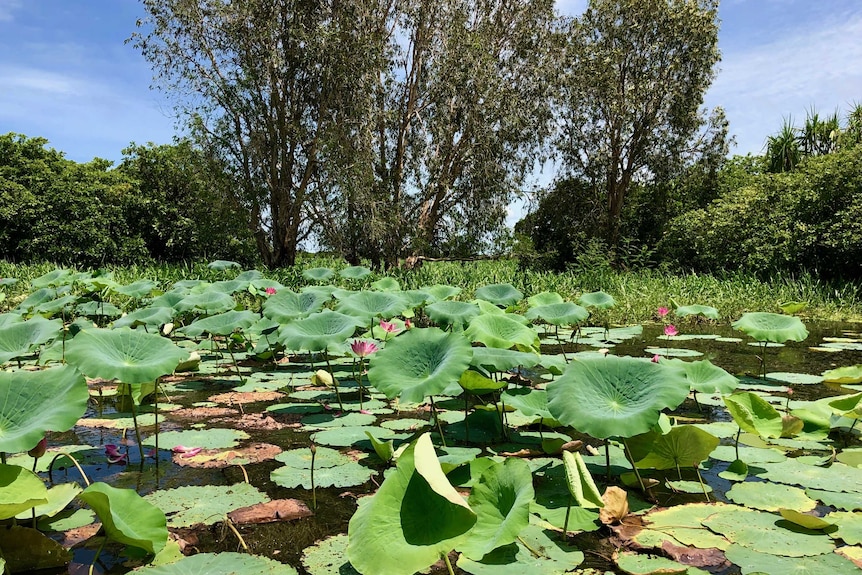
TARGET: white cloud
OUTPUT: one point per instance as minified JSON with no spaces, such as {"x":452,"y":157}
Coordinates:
{"x":22,"y":82}
{"x":8,"y":9}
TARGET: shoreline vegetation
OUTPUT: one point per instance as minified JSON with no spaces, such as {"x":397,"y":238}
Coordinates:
{"x":638,"y":293}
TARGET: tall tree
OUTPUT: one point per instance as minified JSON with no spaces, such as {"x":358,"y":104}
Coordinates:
{"x":261,"y":83}
{"x":634,"y":78}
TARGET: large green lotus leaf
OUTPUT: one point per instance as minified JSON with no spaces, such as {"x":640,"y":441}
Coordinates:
{"x":849,"y":527}
{"x":286,"y":305}
{"x":36,"y":298}
{"x":452,"y":313}
{"x":495,"y":359}
{"x":24,"y":549}
{"x":615,"y":396}
{"x":845,"y":501}
{"x":206,"y":504}
{"x":221,"y":265}
{"x":10,"y":318}
{"x":355,"y":272}
{"x":478,"y":384}
{"x":565,"y":313}
{"x":754,"y":414}
{"x":328,"y":557}
{"x":499,"y":294}
{"x":148,"y":316}
{"x":544,"y":298}
{"x":98,"y":309}
{"x":768,"y":533}
{"x":597,"y":299}
{"x":228,"y":286}
{"x":170,"y":299}
{"x":501,"y":331}
{"x":318,"y":331}
{"x":501,"y":499}
{"x":847,"y":374}
{"x":795,"y":378}
{"x":367,"y":305}
{"x":770,"y":496}
{"x":530,"y":402}
{"x":346,"y":474}
{"x":580,"y":482}
{"x":346,"y":436}
{"x":301,"y":458}
{"x":696,"y":309}
{"x":58,"y":497}
{"x":20,"y":490}
{"x":683,"y":446}
{"x":386,"y":284}
{"x":213,"y":438}
{"x":17,"y":339}
{"x":683,"y":523}
{"x":753,"y":562}
{"x":220,"y":564}
{"x":124,"y":354}
{"x":221,"y":324}
{"x":56,"y":306}
{"x":439,"y":292}
{"x":646,"y":564}
{"x":419,"y":363}
{"x":126,"y":517}
{"x":705,"y":377}
{"x":849,"y":406}
{"x":836,"y":477}
{"x":537,"y":552}
{"x":414,"y":518}
{"x":774,"y":327}
{"x":33,"y":402}
{"x":137,"y":289}
{"x":208,"y":302}
{"x":318,"y":274}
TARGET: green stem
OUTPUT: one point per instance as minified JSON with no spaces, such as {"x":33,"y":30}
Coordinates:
{"x":233,"y":360}
{"x":635,"y":467}
{"x":137,"y":429}
{"x":96,"y":557}
{"x":566,"y":522}
{"x":448,"y":564}
{"x":702,"y":486}
{"x":74,"y":461}
{"x":437,"y":420}
{"x":736,"y":443}
{"x":313,"y":486}
{"x":334,"y":382}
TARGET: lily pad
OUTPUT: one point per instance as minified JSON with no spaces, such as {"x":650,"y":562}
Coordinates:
{"x":206,"y":504}
{"x":771,"y":327}
{"x":770,"y":496}
{"x":220,"y":564}
{"x":213,"y":438}
{"x":501,"y":331}
{"x":768,"y":533}
{"x":697,"y":309}
{"x":500,"y":294}
{"x":753,"y":562}
{"x":537,"y":552}
{"x":848,"y":374}
{"x":328,"y":557}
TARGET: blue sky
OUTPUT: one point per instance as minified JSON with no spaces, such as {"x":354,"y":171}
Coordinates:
{"x":66,"y":74}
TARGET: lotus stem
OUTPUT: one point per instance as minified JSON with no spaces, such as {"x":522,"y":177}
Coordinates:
{"x":231,"y":526}
{"x":466,"y":423}
{"x":437,"y":420}
{"x":448,"y":563}
{"x":75,"y":461}
{"x":607,"y":461}
{"x":137,"y":429}
{"x":313,"y":487}
{"x":3,"y":457}
{"x":736,"y":442}
{"x":700,"y":479}
{"x":233,"y":361}
{"x":334,"y":382}
{"x":96,"y":556}
{"x":244,"y":472}
{"x":566,"y":522}
{"x":635,"y":467}
{"x":156,"y":414}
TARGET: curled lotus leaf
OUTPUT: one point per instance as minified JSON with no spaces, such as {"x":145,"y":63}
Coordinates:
{"x":615,"y":396}
{"x":705,"y":377}
{"x":849,"y":406}
{"x":287,"y":305}
{"x":412,"y":520}
{"x":20,"y":490}
{"x":597,"y":299}
{"x":209,"y":302}
{"x":754,"y":414}
{"x":544,"y":298}
{"x":318,"y":274}
{"x":771,"y":327}
{"x":847,"y":374}
{"x":318,"y":331}
{"x":440,"y":292}
{"x":452,"y":313}
{"x":697,"y":309}
{"x":127,"y":355}
{"x":501,"y":331}
{"x":419,"y":363}
{"x":500,"y":294}
{"x":355,"y":272}
{"x":221,"y":265}
{"x":367,"y":305}
{"x":221,"y":324}
{"x":565,"y":313}
{"x":17,"y":339}
{"x":682,"y":446}
{"x":126,"y":517}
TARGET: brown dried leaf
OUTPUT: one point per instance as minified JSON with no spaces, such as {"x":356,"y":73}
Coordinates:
{"x":616,"y":505}
{"x":270,"y":512}
{"x":707,"y":558}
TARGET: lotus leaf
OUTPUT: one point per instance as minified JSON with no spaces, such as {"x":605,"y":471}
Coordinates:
{"x":440,"y":292}
{"x":368,"y":305}
{"x":805,"y":520}
{"x":210,"y":302}
{"x":220,"y":564}
{"x":24,"y":549}
{"x":386,"y":284}
{"x":643,"y":564}
{"x":615,"y":396}
{"x":530,"y":402}
{"x":544,"y":298}
{"x":452,"y":313}
{"x":696,"y":309}
{"x":478,"y":384}
{"x":795,"y":378}
{"x":499,"y":294}
{"x":346,"y":436}
{"x":20,"y":490}
{"x":495,"y":359}
{"x":328,"y":557}
{"x":768,"y":533}
{"x":346,"y":473}
{"x":126,"y":517}
{"x":565,"y":313}
{"x":212,"y":438}
{"x":286,"y":305}
{"x":848,"y":406}
{"x":753,"y":562}
{"x":18,"y":338}
{"x":770,"y":496}
{"x":419,"y":363}
{"x":501,"y":331}
{"x":683,"y":446}
{"x":53,"y":278}
{"x":705,"y":377}
{"x":318,"y":274}
{"x":754,"y":415}
{"x":228,"y":286}
{"x":206,"y":504}
{"x":355,"y":272}
{"x":33,"y":402}
{"x":580,"y":482}
{"x":148,"y":316}
{"x":412,"y":520}
{"x":58,"y":497}
{"x":683,"y":523}
{"x":771,"y":327}
{"x":137,"y":289}
{"x":849,"y":527}
{"x":36,"y":298}
{"x":848,"y":374}
{"x":536,"y":552}
{"x":597,"y":299}
{"x":221,"y":324}
{"x":221,"y":265}
{"x":845,"y":501}
{"x":123,"y":354}
{"x":318,"y":331}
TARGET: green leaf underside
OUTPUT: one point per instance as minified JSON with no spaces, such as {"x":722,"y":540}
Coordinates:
{"x":126,"y":517}
{"x":771,"y":327}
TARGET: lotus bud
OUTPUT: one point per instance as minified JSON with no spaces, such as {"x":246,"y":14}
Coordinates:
{"x":313,"y":448}
{"x":40,"y":449}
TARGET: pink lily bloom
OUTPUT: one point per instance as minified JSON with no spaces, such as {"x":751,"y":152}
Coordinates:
{"x":363,"y":348}
{"x":407,"y":324}
{"x":112,"y":452}
{"x":270,"y":291}
{"x":186,"y":452}
{"x":365,"y":411}
{"x":670,"y":330}
{"x":388,"y":327}
{"x":663,"y":311}
{"x":655,"y":358}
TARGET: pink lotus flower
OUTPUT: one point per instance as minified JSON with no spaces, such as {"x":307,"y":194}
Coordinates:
{"x":407,"y":324}
{"x":152,"y":453}
{"x":186,"y":452}
{"x":663,"y":311}
{"x":363,"y":348}
{"x":388,"y":327}
{"x":655,"y":358}
{"x":270,"y":291}
{"x":112,"y":452}
{"x":670,"y":330}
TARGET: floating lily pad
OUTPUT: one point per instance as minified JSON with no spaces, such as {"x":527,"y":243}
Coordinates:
{"x":345,"y":473}
{"x":207,"y":504}
{"x":220,"y":564}
{"x":845,"y":501}
{"x":849,"y":527}
{"x":347,"y":436}
{"x":836,"y":477}
{"x":672,"y":352}
{"x":684,"y":524}
{"x":328,"y":557}
{"x":643,"y":564}
{"x":325,"y":420}
{"x":753,"y":562}
{"x":768,"y":533}
{"x":770,"y":496}
{"x":213,"y":438}
{"x":795,"y":378}
{"x":537,"y":552}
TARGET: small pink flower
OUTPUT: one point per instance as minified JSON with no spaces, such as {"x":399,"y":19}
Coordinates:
{"x":152,"y":453}
{"x":112,"y":452}
{"x":789,"y":391}
{"x":670,"y":330}
{"x":655,"y":358}
{"x":270,"y":291}
{"x":186,"y":452}
{"x":365,"y":411}
{"x":407,"y":324}
{"x":663,"y":311}
{"x":388,"y":327}
{"x":363,"y":348}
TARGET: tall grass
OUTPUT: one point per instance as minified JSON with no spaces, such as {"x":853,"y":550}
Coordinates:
{"x":638,"y":293}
